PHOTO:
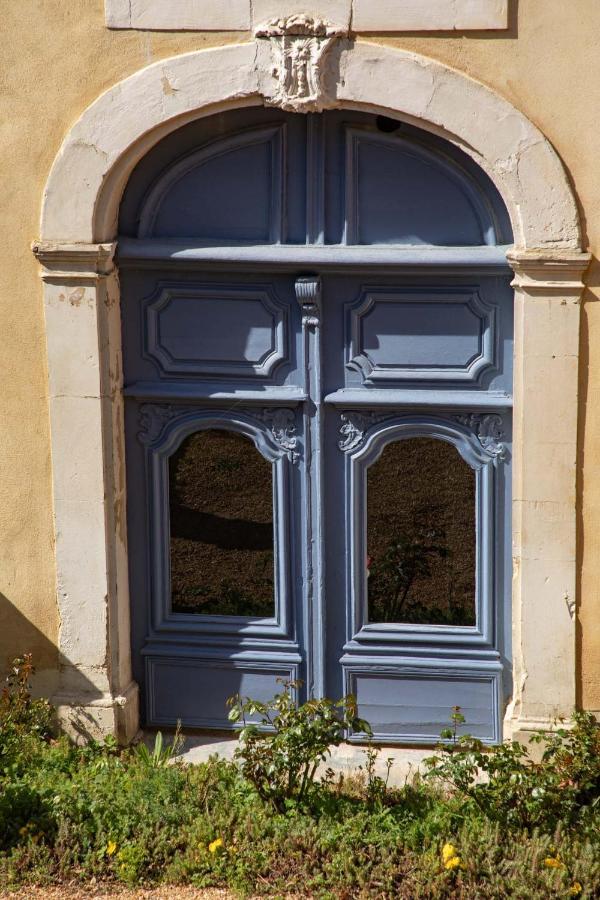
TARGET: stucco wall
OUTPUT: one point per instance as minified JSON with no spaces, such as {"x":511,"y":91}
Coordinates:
{"x":57,"y":58}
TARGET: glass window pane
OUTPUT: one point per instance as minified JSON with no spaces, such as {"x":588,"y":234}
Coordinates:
{"x":421,"y":542}
{"x":221,"y":513}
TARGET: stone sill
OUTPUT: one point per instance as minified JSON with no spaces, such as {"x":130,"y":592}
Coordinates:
{"x":383,"y":16}
{"x":344,"y":760}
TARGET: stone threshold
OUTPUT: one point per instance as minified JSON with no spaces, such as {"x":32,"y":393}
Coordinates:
{"x":346,"y":760}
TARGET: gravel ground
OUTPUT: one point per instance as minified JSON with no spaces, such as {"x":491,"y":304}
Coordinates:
{"x":99,"y":892}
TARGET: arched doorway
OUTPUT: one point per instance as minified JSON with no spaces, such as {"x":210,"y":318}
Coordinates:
{"x":76,"y":249}
{"x":317,"y":339}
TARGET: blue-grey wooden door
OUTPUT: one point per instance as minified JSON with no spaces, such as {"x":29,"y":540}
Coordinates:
{"x":317,"y":333}
{"x":417,"y":499}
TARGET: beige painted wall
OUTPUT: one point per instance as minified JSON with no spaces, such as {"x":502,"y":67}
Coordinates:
{"x":57,"y":57}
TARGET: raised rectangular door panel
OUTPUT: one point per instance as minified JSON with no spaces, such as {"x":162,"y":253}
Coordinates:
{"x":219,"y":330}
{"x":195,"y":691}
{"x":428,"y":335}
{"x":412,"y":703}
{"x":225,"y":330}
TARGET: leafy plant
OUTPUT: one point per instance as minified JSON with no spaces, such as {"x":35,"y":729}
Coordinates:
{"x":21,"y":716}
{"x":100,"y":812}
{"x":161,"y":754}
{"x":376,"y":787}
{"x":508,"y":786}
{"x":281,"y":753}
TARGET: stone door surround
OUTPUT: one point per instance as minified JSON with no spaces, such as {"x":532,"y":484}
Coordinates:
{"x":81,"y":290}
{"x":350,"y":15}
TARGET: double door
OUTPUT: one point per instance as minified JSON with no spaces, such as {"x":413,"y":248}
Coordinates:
{"x":318,"y":489}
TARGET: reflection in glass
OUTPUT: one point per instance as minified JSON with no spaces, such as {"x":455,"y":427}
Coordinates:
{"x":421,"y":544}
{"x":221,"y":514}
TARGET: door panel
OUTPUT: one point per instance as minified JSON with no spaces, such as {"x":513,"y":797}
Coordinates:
{"x":416,"y":594}
{"x":420,"y":332}
{"x":215,"y":493}
{"x":219,"y":329}
{"x":435,"y":334}
{"x":194,"y":690}
{"x":411,"y":703}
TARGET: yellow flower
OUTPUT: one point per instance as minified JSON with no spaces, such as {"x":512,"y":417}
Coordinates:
{"x":454,"y":862}
{"x":553,"y":862}
{"x":448,"y":851}
{"x":575,"y":889}
{"x":23,"y":831}
{"x":215,"y":845}
{"x":110,"y":848}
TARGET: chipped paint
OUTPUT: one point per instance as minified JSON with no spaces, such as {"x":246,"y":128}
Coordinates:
{"x":76,"y":296}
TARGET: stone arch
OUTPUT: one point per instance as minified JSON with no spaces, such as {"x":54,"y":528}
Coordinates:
{"x":78,"y":230}
{"x":82,"y":194}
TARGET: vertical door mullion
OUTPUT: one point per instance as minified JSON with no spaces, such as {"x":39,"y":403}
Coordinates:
{"x":308,"y":294}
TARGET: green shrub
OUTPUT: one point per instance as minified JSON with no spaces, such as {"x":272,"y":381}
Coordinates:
{"x":281,"y":753}
{"x":506,"y":785}
{"x":22,"y":719}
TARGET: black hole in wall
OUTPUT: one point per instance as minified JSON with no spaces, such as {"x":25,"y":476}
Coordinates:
{"x":387,"y":125}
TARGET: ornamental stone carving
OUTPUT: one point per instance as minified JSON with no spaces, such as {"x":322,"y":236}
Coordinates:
{"x":489,"y":430}
{"x":153,"y":418}
{"x":354,"y":428}
{"x":308,"y":295}
{"x":299,"y":45}
{"x":282,"y":424}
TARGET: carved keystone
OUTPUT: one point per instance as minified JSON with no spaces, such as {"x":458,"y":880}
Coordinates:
{"x":308,"y":295}
{"x":299,"y":45}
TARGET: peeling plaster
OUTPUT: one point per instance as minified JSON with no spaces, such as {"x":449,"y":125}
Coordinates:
{"x":167,"y":86}
{"x":76,"y":296}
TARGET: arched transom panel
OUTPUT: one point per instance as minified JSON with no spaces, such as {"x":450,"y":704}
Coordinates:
{"x":268,"y":177}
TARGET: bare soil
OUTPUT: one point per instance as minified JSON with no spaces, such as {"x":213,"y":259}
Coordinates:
{"x":104,"y":892}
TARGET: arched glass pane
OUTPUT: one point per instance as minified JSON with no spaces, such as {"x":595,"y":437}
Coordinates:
{"x":421,"y":542}
{"x":221,"y":513}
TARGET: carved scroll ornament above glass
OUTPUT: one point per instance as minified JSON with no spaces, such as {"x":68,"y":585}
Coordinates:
{"x":280,"y":424}
{"x":489,"y":430}
{"x":483,"y":433}
{"x":353,"y":429}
